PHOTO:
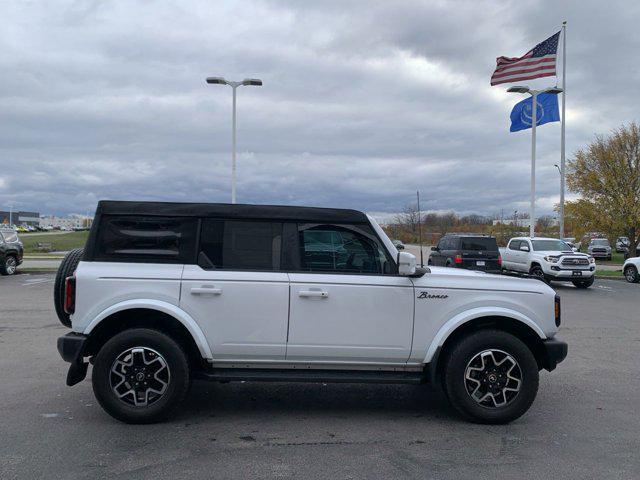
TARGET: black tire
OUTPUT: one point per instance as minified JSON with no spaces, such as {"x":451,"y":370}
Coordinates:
{"x":631,"y":274}
{"x":584,"y":283}
{"x":178,"y":376}
{"x":469,"y":348}
{"x":66,"y":269}
{"x":537,"y":272}
{"x":8,"y":265}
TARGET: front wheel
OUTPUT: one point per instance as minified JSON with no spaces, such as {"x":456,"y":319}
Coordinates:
{"x":631,"y":274}
{"x":490,"y":376}
{"x":141,"y":376}
{"x":537,"y":272}
{"x":9,"y":265}
{"x":584,"y":283}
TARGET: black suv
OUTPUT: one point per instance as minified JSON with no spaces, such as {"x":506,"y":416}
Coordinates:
{"x":11,"y":251}
{"x":465,"y":250}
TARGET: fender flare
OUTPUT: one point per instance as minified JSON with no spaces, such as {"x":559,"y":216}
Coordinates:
{"x":464,"y":317}
{"x":173,"y":310}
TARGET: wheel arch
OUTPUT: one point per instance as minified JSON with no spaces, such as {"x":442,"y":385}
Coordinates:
{"x":508,"y":321}
{"x":158,"y":315}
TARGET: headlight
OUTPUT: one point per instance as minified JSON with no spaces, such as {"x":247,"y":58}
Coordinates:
{"x":592,"y":260}
{"x":552,"y":259}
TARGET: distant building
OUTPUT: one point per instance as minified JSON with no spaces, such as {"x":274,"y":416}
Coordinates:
{"x":76,"y":221}
{"x":20,"y":218}
{"x":521,"y":222}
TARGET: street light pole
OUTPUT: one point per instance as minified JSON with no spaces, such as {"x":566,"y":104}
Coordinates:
{"x":234,"y":86}
{"x":233,"y":147}
{"x":534,"y":120}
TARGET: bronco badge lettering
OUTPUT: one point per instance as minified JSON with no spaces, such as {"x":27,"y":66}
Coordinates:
{"x":425,"y":294}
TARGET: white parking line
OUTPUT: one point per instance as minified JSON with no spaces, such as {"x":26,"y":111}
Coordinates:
{"x":37,"y":281}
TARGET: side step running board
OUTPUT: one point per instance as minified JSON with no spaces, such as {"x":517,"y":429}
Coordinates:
{"x":308,"y":375}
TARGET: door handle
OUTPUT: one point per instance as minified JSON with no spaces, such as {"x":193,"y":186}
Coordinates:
{"x":206,"y":291}
{"x":313,"y":293}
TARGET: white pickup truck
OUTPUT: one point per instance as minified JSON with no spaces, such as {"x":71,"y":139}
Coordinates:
{"x":167,"y":292}
{"x":549,"y":259}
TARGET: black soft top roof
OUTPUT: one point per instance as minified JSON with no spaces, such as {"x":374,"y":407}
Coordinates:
{"x":227,"y":210}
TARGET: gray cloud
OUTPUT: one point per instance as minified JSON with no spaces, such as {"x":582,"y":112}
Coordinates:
{"x":362,"y":103}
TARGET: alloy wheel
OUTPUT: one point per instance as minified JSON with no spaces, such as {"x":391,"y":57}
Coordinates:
{"x":139,"y":376}
{"x":630,"y":274}
{"x":10,"y":265}
{"x":493,"y":378}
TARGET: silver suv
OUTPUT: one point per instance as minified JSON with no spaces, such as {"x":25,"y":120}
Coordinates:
{"x":167,"y":292}
{"x":599,"y":248}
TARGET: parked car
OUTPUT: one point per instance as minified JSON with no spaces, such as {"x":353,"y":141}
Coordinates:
{"x":166,"y":292}
{"x":398,"y":244}
{"x":11,"y":251}
{"x":622,"y":244}
{"x":549,"y":259}
{"x":599,"y":248}
{"x":470,"y":251}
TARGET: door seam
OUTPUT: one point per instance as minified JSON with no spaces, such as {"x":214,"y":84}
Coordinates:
{"x":286,"y":345}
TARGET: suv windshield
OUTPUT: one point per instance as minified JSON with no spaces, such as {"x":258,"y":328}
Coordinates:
{"x":9,"y":236}
{"x":550,"y":245}
{"x":478,"y":243}
{"x":602,"y":242}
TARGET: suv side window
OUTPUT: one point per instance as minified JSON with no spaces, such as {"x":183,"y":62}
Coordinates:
{"x":341,"y":249}
{"x":240,"y":244}
{"x":152,"y":239}
{"x":514,"y":244}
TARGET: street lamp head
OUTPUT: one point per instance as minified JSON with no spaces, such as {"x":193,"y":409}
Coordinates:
{"x":553,"y":90}
{"x":518,"y":89}
{"x":252,"y":81}
{"x":216,"y":80}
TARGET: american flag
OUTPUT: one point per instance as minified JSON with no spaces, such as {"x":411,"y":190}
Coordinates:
{"x":538,"y":62}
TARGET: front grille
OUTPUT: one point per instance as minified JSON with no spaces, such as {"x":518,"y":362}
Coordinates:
{"x":575,"y":261}
{"x":599,"y":250}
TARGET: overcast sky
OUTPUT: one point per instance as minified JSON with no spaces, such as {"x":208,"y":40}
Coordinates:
{"x":363,"y":102}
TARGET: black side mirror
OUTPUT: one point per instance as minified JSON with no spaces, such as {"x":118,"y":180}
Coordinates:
{"x":435,"y":249}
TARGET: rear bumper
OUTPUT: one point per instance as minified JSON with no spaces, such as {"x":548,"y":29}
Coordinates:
{"x":71,"y":348}
{"x":553,"y":352}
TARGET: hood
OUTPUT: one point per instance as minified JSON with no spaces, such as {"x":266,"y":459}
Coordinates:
{"x":556,"y":253}
{"x":472,"y":279}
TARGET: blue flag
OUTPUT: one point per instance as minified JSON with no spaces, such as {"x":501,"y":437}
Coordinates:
{"x":547,"y":111}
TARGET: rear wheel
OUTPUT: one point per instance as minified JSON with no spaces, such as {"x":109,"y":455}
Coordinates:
{"x":490,"y":376}
{"x":584,"y":283}
{"x":631,"y":274}
{"x":141,"y":376}
{"x":9,"y":265}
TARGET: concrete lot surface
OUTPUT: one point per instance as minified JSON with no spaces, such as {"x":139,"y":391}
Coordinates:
{"x":584,"y":424}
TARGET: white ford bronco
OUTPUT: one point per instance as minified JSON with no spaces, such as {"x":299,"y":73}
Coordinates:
{"x":165,"y":293}
{"x":549,"y":259}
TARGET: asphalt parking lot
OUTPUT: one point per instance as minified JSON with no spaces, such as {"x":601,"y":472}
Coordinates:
{"x":584,"y":424}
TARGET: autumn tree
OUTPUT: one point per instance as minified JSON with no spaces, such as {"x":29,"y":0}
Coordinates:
{"x":607,"y":175}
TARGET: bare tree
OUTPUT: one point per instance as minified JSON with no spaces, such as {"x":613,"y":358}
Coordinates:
{"x":409,"y":217}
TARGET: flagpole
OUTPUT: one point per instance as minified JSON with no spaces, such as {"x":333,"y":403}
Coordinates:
{"x":534,"y":121}
{"x":562,"y":126}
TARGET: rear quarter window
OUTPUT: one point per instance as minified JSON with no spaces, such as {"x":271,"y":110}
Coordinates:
{"x":133,"y":238}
